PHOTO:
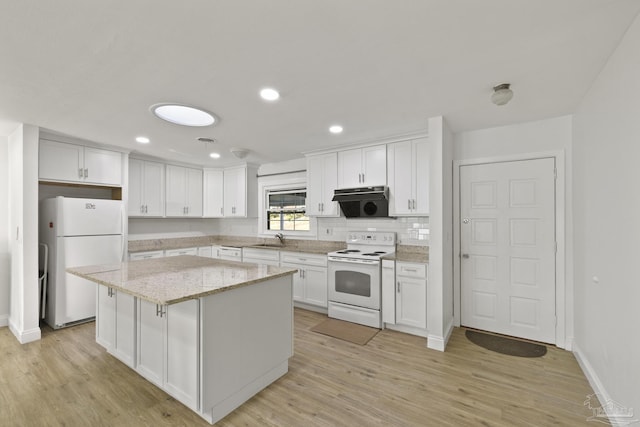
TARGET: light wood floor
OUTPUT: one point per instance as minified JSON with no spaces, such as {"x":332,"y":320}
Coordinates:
{"x":66,"y":379}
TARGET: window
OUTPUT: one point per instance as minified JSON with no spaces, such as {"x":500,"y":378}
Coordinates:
{"x":286,"y":210}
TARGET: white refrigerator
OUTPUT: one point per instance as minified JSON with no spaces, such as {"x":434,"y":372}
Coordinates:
{"x":78,"y":232}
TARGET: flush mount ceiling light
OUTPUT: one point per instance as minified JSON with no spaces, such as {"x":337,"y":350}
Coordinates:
{"x":214,"y":155}
{"x":183,"y":114}
{"x":336,"y":129}
{"x":269,"y":94}
{"x":240,"y":153}
{"x":142,"y":139}
{"x":501,"y":94}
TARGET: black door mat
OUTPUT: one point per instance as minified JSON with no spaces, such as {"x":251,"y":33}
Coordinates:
{"x":504,"y":345}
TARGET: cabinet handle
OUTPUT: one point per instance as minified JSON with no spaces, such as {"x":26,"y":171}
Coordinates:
{"x":110,"y":292}
{"x":80,"y":173}
{"x":141,"y":208}
{"x":363,"y":178}
{"x":146,"y":209}
{"x":409,"y":204}
{"x":187,"y":208}
{"x":414,"y":204}
{"x":221,"y":211}
{"x":319,"y":207}
{"x":160,"y":310}
{"x":86,"y":173}
{"x":398,"y":287}
{"x":413,"y":270}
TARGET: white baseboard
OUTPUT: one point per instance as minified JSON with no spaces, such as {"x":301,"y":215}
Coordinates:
{"x":607,"y":406}
{"x":436,"y":342}
{"x":27,"y":336}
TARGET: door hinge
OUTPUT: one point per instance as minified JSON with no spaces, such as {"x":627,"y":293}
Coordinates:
{"x":555,"y":173}
{"x":556,"y":247}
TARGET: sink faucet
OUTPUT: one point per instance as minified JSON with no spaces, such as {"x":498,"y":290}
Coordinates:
{"x":280,"y":237}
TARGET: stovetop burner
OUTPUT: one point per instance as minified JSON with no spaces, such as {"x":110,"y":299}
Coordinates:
{"x":348,"y":251}
{"x":376,"y":253}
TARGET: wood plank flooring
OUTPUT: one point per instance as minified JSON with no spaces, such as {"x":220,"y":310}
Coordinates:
{"x":66,"y":379}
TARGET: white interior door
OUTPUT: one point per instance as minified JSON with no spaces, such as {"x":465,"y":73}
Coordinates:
{"x":507,"y":232}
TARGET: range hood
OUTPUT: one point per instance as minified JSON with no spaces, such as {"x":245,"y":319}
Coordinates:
{"x":363,"y":201}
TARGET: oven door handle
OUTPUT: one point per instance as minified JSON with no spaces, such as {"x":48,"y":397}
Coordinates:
{"x":354,"y":261}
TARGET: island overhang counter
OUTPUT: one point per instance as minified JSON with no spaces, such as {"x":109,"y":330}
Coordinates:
{"x":211,"y":333}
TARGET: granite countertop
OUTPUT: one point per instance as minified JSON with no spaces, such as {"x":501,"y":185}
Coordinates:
{"x":175,"y":279}
{"x":307,"y":246}
{"x":407,"y":253}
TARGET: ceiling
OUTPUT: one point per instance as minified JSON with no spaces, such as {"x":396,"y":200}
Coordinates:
{"x":379,"y":68}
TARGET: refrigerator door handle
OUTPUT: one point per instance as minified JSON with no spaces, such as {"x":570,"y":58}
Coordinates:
{"x":123,"y":218}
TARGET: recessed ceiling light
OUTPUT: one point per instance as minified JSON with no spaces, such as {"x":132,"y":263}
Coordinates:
{"x":269,"y":94}
{"x":142,"y":139}
{"x":183,"y":115}
{"x":336,"y":129}
{"x":214,"y":155}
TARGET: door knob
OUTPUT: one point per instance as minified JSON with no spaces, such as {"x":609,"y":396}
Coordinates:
{"x":465,"y":256}
{"x":465,"y":221}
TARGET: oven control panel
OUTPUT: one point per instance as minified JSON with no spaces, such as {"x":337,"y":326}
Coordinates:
{"x":371,"y":237}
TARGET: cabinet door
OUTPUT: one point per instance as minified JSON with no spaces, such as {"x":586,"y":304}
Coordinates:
{"x":58,"y":161}
{"x":125,"y":328}
{"x":102,"y":167}
{"x":350,"y":168}
{"x":298,"y":282}
{"x":183,"y":350}
{"x":235,"y":190}
{"x":213,"y":194}
{"x":153,"y":189}
{"x":184,"y":251}
{"x":421,"y":179}
{"x":151,"y":330}
{"x":374,"y":165}
{"x":135,"y":206}
{"x":322,"y":180}
{"x":105,"y":317}
{"x":175,"y":191}
{"x":411,"y":302}
{"x":401,"y":165}
{"x":205,"y":251}
{"x":388,"y":292}
{"x":315,"y":286}
{"x":193,"y":192}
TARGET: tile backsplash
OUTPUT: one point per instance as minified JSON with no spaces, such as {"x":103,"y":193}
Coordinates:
{"x":409,"y":231}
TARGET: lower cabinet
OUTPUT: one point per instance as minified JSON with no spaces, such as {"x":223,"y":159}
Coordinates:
{"x":115,"y":323}
{"x":146,"y":255}
{"x":261,"y":256}
{"x":183,"y":251}
{"x":310,"y":282}
{"x":168,"y":348}
{"x":404,"y":296}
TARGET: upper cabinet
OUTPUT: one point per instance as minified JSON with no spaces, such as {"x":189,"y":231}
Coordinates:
{"x":63,"y":162}
{"x":240,"y":191}
{"x":183,"y":192}
{"x":362,"y":167}
{"x":146,"y":188}
{"x":322,"y":179}
{"x":408,"y":167}
{"x":213,"y":194}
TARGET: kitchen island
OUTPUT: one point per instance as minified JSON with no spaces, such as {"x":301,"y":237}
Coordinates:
{"x":210,"y":333}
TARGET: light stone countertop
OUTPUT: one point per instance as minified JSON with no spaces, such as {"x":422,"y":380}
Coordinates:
{"x":175,"y":279}
{"x":407,"y":253}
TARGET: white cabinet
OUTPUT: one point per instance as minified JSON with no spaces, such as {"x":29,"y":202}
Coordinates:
{"x":310,"y":282}
{"x":411,"y":294}
{"x":205,"y":251}
{"x":183,"y":251}
{"x":322,"y":180}
{"x":261,"y":256}
{"x":146,"y":188}
{"x":362,"y":167}
{"x":115,"y":323}
{"x":168,"y":348}
{"x":213,"y":193}
{"x":408,"y":167}
{"x":183,"y":192}
{"x":146,"y":255}
{"x":59,"y":161}
{"x":240,"y":192}
{"x":229,"y":253}
{"x":388,"y":291}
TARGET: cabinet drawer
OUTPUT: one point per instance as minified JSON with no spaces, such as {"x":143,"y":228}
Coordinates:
{"x":146,"y":255}
{"x":303,"y":258}
{"x":407,"y":269}
{"x":185,"y":251}
{"x":261,"y":254}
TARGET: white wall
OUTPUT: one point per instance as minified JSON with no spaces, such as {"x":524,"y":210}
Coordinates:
{"x":5,"y":278}
{"x":607,"y":226}
{"x":23,"y":229}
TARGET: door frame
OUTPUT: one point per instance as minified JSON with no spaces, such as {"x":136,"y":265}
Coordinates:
{"x":564,"y":301}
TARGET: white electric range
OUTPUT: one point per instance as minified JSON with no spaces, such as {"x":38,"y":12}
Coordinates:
{"x":355,"y":277}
